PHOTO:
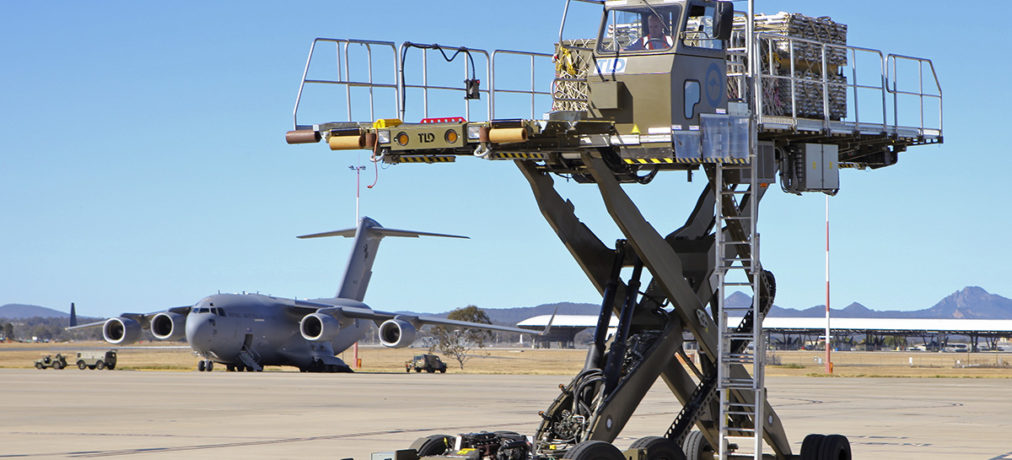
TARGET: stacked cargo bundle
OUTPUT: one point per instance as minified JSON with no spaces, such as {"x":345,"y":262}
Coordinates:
{"x":572,"y":64}
{"x":809,"y":41}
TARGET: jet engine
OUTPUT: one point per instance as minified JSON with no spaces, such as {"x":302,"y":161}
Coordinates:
{"x":397,"y":333}
{"x":121,"y":330}
{"x":319,"y":327}
{"x":168,"y":326}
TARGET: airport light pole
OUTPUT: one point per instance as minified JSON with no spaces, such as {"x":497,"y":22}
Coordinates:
{"x":358,"y":187}
{"x":358,"y":195}
{"x":829,"y":364}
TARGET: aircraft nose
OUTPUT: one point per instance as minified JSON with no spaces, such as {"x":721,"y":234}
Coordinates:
{"x":198,"y":332}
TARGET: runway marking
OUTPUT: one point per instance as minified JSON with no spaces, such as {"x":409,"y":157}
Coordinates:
{"x":141,"y":450}
{"x":259,"y":442}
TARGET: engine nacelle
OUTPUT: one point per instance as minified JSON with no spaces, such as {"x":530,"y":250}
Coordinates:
{"x":319,"y":327}
{"x":397,"y":333}
{"x":168,"y":326}
{"x":121,"y":330}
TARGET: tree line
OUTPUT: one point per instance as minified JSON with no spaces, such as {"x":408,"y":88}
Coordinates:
{"x":45,"y":329}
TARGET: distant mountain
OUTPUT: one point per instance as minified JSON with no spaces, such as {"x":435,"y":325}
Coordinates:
{"x":971,"y":302}
{"x":21,"y":311}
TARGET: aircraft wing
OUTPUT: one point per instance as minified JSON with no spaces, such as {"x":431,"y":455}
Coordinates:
{"x":492,"y":327}
{"x":303,"y":306}
{"x":85,"y":326}
{"x":143,"y":318}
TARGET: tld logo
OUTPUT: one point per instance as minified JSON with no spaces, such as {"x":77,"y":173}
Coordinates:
{"x":610,"y":66}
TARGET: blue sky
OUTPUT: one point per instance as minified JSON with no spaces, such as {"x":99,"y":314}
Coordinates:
{"x":142,"y":166}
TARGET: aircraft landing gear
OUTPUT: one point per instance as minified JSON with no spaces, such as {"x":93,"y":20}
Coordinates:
{"x":205,"y":365}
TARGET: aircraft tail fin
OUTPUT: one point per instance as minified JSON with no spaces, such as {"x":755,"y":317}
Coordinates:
{"x":367,"y":237}
{"x":73,"y":315}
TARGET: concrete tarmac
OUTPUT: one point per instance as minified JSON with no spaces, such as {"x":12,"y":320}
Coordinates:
{"x":155,"y":415}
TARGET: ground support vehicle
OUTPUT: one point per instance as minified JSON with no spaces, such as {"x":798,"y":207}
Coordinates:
{"x":55,"y":362}
{"x":96,"y":360}
{"x":427,"y":362}
{"x":733,"y":96}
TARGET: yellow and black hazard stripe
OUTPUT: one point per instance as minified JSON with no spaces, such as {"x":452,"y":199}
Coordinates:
{"x":516,"y":156}
{"x":425,"y":159}
{"x":733,"y":161}
{"x":649,"y":161}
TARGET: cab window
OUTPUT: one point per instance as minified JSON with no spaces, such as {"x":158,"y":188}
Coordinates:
{"x":699,"y":24}
{"x":638,"y":29}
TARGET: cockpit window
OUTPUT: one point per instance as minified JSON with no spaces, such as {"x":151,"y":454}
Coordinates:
{"x":699,"y":31}
{"x":639,"y":29}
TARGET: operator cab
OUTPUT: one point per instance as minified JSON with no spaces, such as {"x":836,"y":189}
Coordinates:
{"x":658,"y":67}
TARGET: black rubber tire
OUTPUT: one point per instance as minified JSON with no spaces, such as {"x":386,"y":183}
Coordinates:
{"x":200,"y":365}
{"x":810,"y":446}
{"x":111,"y":366}
{"x":442,"y":371}
{"x":407,"y":369}
{"x":430,"y":370}
{"x":100,"y":365}
{"x":658,"y":448}
{"x":418,"y":369}
{"x":435,"y":444}
{"x":231,"y":368}
{"x":59,"y":365}
{"x":210,"y":365}
{"x":39,"y":366}
{"x":594,"y":450}
{"x":696,"y":447}
{"x":834,"y":447}
{"x":81,"y":365}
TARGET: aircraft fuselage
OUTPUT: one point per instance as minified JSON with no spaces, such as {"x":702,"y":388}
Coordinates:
{"x":224,"y":327}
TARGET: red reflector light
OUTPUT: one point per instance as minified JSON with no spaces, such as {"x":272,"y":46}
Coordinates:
{"x":444,"y":120}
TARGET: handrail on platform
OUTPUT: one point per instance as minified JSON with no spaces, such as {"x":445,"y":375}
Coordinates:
{"x":893,"y":58}
{"x":345,"y":79}
{"x":533,"y":92}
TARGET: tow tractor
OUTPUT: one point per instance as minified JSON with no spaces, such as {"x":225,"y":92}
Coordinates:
{"x":673,"y":85}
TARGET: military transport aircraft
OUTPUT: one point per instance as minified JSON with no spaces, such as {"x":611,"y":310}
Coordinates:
{"x":249,"y":331}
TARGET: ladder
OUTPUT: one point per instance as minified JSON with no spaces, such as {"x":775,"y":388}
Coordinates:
{"x":741,"y":397}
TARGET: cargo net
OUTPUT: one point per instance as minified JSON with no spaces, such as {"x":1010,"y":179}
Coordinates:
{"x":775,"y":65}
{"x":573,"y":61}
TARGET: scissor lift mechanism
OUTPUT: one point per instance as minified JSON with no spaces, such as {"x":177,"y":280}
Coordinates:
{"x":687,"y":266}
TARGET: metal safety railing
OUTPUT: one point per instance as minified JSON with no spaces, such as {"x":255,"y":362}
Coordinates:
{"x":892,"y":59}
{"x":344,"y":73}
{"x":824,"y":85}
{"x":399,"y":84}
{"x":425,"y":87}
{"x":532,"y":91}
{"x":828,"y":88}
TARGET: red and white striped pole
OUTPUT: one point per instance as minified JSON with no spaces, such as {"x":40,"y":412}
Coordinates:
{"x":829,"y":364}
